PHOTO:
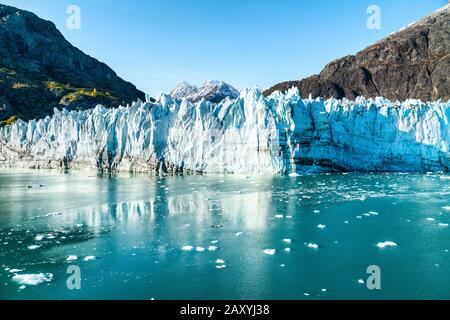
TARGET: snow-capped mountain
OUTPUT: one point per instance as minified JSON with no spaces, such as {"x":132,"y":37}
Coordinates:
{"x":212,"y":91}
{"x":282,"y":133}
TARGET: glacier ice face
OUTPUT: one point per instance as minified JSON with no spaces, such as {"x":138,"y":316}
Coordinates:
{"x":280,"y":134}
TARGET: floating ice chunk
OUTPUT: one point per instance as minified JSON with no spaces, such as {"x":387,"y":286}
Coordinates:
{"x":89,"y":258}
{"x":306,"y":294}
{"x":431,"y":219}
{"x":220,"y":261}
{"x":288,"y":217}
{"x":288,"y":241}
{"x":446,"y":208}
{"x":279,"y":216}
{"x":270,"y":252}
{"x":239,"y":234}
{"x":312,"y":246}
{"x":52,"y":214}
{"x":324,"y":290}
{"x":33,"y":279}
{"x":321,"y":226}
{"x":294,"y":174}
{"x":33,"y":247}
{"x":316,"y":211}
{"x":373,"y":213}
{"x":287,"y":249}
{"x":215,"y":241}
{"x":443,"y":225}
{"x":212,"y":248}
{"x":361,"y":281}
{"x":72,"y":258}
{"x":16,"y":270}
{"x":385,"y":244}
{"x":39,"y":238}
{"x":200,"y":249}
{"x":187,"y":248}
{"x":221,"y":266}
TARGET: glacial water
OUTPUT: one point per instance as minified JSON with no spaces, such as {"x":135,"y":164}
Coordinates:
{"x":224,"y":236}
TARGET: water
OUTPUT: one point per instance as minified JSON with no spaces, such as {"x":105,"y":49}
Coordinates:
{"x":137,"y":226}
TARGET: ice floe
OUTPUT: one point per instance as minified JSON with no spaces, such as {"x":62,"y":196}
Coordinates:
{"x":71,"y":258}
{"x":385,"y":244}
{"x":312,"y":246}
{"x":270,"y":252}
{"x":89,"y":258}
{"x":32,"y":279}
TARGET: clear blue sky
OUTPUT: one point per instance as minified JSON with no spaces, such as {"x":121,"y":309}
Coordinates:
{"x":158,"y":43}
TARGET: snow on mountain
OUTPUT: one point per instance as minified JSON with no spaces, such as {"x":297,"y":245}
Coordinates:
{"x":282,"y":133}
{"x":213,"y":91}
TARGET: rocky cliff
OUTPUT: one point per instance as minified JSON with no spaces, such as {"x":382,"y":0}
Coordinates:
{"x":411,"y":63}
{"x":40,"y":69}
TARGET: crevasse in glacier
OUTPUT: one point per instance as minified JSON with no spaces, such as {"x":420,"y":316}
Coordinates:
{"x":282,"y":133}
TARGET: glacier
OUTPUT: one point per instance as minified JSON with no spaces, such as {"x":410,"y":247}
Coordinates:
{"x":253,"y":134}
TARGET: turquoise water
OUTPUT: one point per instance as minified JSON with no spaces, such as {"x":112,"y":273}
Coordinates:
{"x":136,"y":228}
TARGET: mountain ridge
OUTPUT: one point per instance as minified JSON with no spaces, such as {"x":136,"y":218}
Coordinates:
{"x":40,"y":70}
{"x":411,"y":63}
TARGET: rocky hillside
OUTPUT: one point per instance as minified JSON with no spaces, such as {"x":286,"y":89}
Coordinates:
{"x":411,"y":63}
{"x":40,"y":70}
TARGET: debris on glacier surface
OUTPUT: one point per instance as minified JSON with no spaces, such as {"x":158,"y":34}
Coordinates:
{"x":279,"y":134}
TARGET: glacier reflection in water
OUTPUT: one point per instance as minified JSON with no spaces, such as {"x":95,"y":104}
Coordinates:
{"x":200,"y":237}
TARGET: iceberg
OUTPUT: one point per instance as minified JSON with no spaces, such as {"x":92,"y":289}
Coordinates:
{"x":279,"y":134}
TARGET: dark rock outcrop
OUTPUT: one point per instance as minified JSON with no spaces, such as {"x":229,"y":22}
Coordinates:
{"x":411,"y":63}
{"x":40,"y":70}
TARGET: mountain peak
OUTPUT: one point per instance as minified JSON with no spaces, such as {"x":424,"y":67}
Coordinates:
{"x":212,"y":90}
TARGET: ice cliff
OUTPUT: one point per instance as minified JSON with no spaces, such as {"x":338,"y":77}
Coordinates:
{"x":282,"y":133}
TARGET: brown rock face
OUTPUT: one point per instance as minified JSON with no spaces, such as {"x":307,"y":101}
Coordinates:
{"x":412,"y":63}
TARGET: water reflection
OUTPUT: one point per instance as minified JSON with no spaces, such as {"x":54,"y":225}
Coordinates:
{"x":136,"y":226}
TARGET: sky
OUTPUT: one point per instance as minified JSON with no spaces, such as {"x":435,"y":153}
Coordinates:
{"x":155,"y":44}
